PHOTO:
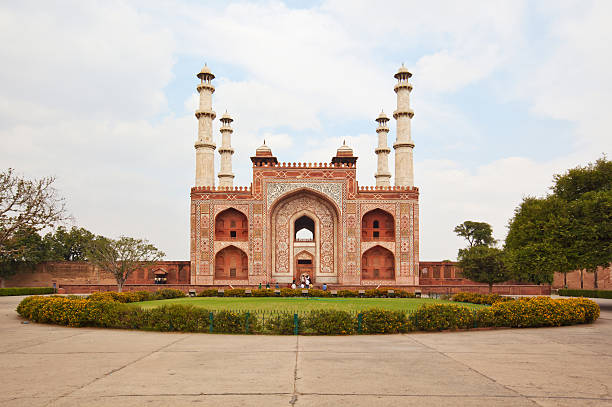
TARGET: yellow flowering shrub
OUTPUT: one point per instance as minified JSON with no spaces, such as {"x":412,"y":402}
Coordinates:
{"x":544,"y":311}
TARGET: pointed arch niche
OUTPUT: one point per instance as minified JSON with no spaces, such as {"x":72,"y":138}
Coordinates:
{"x":377,"y":263}
{"x":377,"y":225}
{"x":231,"y":263}
{"x":231,"y":224}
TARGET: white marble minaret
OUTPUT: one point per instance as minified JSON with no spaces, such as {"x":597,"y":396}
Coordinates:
{"x":404,"y":172}
{"x":205,"y":146}
{"x":383,"y":176}
{"x":226,"y":176}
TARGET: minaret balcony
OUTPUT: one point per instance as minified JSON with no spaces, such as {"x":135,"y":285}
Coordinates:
{"x":205,"y":86}
{"x":403,"y":144}
{"x":226,"y":150}
{"x":205,"y":144}
{"x":205,"y":113}
{"x":382,"y":150}
{"x":403,"y":85}
{"x":400,"y":113}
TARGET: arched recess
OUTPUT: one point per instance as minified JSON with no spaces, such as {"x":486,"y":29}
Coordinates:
{"x":377,"y":225}
{"x":377,"y":263}
{"x":231,"y":263}
{"x":283,"y":216}
{"x":231,"y":224}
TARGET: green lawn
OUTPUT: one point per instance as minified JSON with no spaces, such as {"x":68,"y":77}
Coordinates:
{"x":296,"y":304}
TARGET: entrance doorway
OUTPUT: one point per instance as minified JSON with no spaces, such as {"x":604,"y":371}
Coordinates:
{"x":304,"y":267}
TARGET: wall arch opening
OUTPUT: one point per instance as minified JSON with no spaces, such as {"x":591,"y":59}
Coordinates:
{"x":377,"y":263}
{"x":231,"y":224}
{"x":231,"y":263}
{"x":304,"y":227}
{"x":377,"y":225}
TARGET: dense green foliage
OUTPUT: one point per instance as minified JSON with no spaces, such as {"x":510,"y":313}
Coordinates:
{"x":524,"y":312}
{"x":26,"y":291}
{"x":570,"y":229}
{"x":26,"y":248}
{"x":68,"y":245}
{"x":22,"y":252}
{"x":476,"y":233}
{"x":587,"y":293}
{"x":484,"y":264}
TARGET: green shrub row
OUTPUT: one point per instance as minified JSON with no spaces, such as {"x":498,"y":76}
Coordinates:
{"x":26,"y":291}
{"x":586,"y":293}
{"x":474,"y":298}
{"x":521,"y":313}
{"x":137,"y":296}
{"x":313,"y":292}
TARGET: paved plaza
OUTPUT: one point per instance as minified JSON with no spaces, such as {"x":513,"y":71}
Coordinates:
{"x":47,"y":365}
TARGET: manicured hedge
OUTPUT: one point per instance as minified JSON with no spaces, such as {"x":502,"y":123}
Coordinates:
{"x":26,"y":291}
{"x":313,"y":292}
{"x":475,"y":298}
{"x":110,"y":313}
{"x":586,"y":293}
{"x":137,"y":296}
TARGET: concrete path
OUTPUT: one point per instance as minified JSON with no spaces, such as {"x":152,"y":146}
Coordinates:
{"x":47,"y":365}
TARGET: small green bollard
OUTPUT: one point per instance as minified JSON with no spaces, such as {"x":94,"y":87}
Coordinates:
{"x":474,"y":318}
{"x":295,"y":324}
{"x":246,"y":323}
{"x":210,"y":324}
{"x":360,"y":323}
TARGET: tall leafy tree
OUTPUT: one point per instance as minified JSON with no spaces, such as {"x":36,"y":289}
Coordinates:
{"x":476,"y":233}
{"x":484,"y":264}
{"x":68,"y":245}
{"x":123,"y":256}
{"x":570,"y":229}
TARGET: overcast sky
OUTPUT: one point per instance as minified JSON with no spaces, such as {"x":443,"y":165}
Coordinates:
{"x":102,"y":96}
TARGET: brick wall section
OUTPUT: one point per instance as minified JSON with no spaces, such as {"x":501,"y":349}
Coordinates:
{"x":84,"y":273}
{"x":604,"y":280}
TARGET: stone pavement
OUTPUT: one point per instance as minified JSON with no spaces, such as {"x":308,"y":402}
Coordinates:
{"x":47,"y":365}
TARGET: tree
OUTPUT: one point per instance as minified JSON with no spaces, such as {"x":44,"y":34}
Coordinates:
{"x":23,"y":251}
{"x":484,"y":264}
{"x":539,"y":241}
{"x":123,"y":256}
{"x":476,"y":233}
{"x":570,"y":229}
{"x":26,"y":205}
{"x":68,"y":245}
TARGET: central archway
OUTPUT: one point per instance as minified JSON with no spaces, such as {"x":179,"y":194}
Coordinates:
{"x":292,"y":214}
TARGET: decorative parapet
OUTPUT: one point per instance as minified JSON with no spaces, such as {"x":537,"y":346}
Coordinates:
{"x":221,"y":189}
{"x":387,"y":188}
{"x":304,"y":165}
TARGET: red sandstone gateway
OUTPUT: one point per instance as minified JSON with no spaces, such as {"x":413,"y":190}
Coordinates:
{"x":299,"y":220}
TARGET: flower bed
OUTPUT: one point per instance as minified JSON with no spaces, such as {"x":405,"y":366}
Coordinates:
{"x":475,"y":298}
{"x":106,"y":311}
